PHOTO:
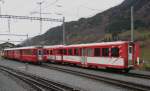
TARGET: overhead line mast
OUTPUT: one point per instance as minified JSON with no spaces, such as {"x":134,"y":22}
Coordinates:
{"x":40,"y":4}
{"x":132,"y":24}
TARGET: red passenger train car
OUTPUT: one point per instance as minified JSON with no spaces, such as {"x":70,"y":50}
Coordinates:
{"x":25,"y":54}
{"x":123,"y":55}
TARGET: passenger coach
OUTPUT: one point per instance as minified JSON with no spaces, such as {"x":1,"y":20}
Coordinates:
{"x":25,"y":54}
{"x":118,"y":55}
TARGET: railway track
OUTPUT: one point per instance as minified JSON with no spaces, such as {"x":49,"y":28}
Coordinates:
{"x":38,"y":83}
{"x":130,"y":85}
{"x":130,"y":74}
{"x":144,"y":76}
{"x":138,"y":75}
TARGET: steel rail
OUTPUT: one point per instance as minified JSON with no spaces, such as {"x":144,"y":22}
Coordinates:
{"x":130,"y":85}
{"x":23,"y":79}
{"x":144,"y":76}
{"x":41,"y":84}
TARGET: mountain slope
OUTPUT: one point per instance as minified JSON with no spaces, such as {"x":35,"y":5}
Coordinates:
{"x":93,"y":29}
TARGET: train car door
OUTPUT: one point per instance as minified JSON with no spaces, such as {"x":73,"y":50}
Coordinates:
{"x":40,"y":54}
{"x":130,"y":55}
{"x":84,"y":57}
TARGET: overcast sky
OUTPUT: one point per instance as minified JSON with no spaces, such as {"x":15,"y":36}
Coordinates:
{"x":71,"y":9}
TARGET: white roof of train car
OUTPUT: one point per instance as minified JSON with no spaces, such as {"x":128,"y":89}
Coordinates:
{"x":18,"y":48}
{"x":74,"y":45}
{"x":88,"y":44}
{"x":53,"y":46}
{"x":97,"y":44}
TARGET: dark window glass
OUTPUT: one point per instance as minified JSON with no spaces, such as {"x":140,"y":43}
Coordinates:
{"x":56,"y":51}
{"x":64,"y":51}
{"x":40,"y":52}
{"x":27,"y":52}
{"x":34,"y":52}
{"x":76,"y":52}
{"x":105,"y":52}
{"x":60,"y":51}
{"x":115,"y":52}
{"x":47,"y":52}
{"x":89,"y":52}
{"x":97,"y":52}
{"x":81,"y":52}
{"x":130,"y":49}
{"x":51,"y":52}
{"x":70,"y":51}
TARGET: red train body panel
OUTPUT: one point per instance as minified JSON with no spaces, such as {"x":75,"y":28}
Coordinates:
{"x":118,"y":55}
{"x":25,"y":54}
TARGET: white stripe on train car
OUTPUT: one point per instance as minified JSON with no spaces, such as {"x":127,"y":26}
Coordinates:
{"x":72,"y":58}
{"x":58,"y":58}
{"x":106,"y":61}
{"x":51,"y":57}
{"x":97,"y":60}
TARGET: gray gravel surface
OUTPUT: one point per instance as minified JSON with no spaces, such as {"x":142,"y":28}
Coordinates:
{"x":110,"y":75}
{"x":77,"y":81}
{"x":9,"y":84}
{"x":140,"y":72}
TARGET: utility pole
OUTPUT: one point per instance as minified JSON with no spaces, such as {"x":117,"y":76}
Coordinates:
{"x":40,"y":4}
{"x":9,"y":25}
{"x":27,"y":39}
{"x":64,"y":39}
{"x":1,"y":6}
{"x":0,"y":9}
{"x":132,"y":24}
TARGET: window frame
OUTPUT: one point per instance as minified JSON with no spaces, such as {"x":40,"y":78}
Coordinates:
{"x":115,"y":54}
{"x":70,"y":51}
{"x":65,"y":51}
{"x":76,"y":51}
{"x":100,"y":49}
{"x":103,"y":53}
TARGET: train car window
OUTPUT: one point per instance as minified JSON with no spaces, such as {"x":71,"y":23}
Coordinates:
{"x":80,"y":51}
{"x":105,"y":52}
{"x":60,"y":51}
{"x":39,"y":52}
{"x":64,"y":51}
{"x":34,"y":52}
{"x":56,"y":51}
{"x":76,"y":52}
{"x":18,"y":52}
{"x":31,"y":52}
{"x":115,"y":52}
{"x":130,"y":49}
{"x":96,"y":52}
{"x":70,"y":52}
{"x":89,"y":52}
{"x":47,"y":52}
{"x":50,"y":52}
